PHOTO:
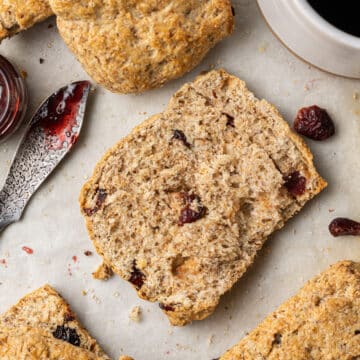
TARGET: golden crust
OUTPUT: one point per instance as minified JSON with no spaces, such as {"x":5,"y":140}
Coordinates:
{"x":42,"y":311}
{"x":322,"y":321}
{"x":19,"y":15}
{"x":288,"y":153}
{"x":133,"y":46}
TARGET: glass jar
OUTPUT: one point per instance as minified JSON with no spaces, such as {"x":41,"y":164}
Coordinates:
{"x":13,"y":99}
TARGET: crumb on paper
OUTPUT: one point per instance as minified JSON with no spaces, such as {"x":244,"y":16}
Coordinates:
{"x":211,"y":339}
{"x":41,"y":60}
{"x":23,"y":74}
{"x":263,"y":47}
{"x":355,"y":96}
{"x":116,"y":294}
{"x":331,"y":210}
{"x":135,"y":314}
{"x":103,"y":272}
{"x":83,"y":293}
{"x":88,"y":253}
{"x":122,"y":357}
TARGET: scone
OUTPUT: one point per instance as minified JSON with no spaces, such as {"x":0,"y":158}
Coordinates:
{"x":322,"y":321}
{"x":181,"y":206}
{"x":19,"y":15}
{"x":42,"y":326}
{"x":135,"y":45}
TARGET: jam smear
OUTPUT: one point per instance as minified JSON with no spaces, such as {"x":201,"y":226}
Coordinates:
{"x":314,"y":123}
{"x":189,"y":214}
{"x":344,"y":226}
{"x":28,"y":250}
{"x":58,"y":115}
{"x":137,"y":278}
{"x":179,"y":135}
{"x":67,"y":334}
{"x":295,"y":183}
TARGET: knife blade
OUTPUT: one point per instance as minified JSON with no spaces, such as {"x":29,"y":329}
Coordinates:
{"x":51,"y":134}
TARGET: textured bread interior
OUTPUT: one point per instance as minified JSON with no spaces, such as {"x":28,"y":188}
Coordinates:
{"x":237,"y":152}
{"x":44,"y":310}
{"x":322,"y":321}
{"x":135,"y":45}
{"x":18,"y":15}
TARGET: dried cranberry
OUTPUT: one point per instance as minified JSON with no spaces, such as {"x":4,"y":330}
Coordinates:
{"x":137,"y":277}
{"x":277,"y":339}
{"x":87,"y":253}
{"x":179,"y":135}
{"x":100,"y":199}
{"x":166,"y":307}
{"x":69,"y":317}
{"x":187,"y":214}
{"x":230,"y":120}
{"x":101,"y":196}
{"x":295,"y":183}
{"x":343,"y":226}
{"x":315,"y":123}
{"x":67,"y":334}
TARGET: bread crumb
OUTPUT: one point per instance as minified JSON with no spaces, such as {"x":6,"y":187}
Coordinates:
{"x":262,"y":48}
{"x":211,"y":339}
{"x":356,"y":95}
{"x":116,"y":294}
{"x":125,"y":358}
{"x":84,"y":293}
{"x":135,"y":314}
{"x":23,"y":74}
{"x":103,"y":272}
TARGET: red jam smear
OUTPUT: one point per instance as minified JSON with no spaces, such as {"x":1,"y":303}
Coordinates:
{"x":58,"y":115}
{"x":13,"y":99}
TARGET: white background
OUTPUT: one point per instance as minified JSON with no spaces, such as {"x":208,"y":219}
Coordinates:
{"x":53,"y":227}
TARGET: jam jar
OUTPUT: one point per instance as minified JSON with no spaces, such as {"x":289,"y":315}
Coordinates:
{"x":13,"y":99}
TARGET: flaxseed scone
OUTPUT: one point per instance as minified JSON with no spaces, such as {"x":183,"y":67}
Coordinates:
{"x":322,"y":321}
{"x":19,"y":15}
{"x":135,"y":45}
{"x":181,"y":206}
{"x":42,"y":325}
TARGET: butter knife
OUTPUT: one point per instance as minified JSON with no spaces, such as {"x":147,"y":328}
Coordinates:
{"x":51,"y":134}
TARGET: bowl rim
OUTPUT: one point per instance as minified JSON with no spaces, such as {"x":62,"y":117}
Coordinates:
{"x":324,"y":26}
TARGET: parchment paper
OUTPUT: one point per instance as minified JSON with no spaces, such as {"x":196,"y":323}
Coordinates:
{"x":53,"y":227}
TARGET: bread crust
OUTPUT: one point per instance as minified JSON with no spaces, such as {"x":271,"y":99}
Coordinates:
{"x":19,"y":15}
{"x":322,"y":321}
{"x":229,"y":255}
{"x":133,"y":46}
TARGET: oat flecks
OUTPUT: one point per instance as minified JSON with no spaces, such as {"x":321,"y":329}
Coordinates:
{"x":136,"y":314}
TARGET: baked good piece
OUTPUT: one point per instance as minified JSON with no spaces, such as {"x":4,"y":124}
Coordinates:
{"x":135,"y":45}
{"x":19,"y":15}
{"x":181,"y":206}
{"x":42,"y":326}
{"x":322,"y":321}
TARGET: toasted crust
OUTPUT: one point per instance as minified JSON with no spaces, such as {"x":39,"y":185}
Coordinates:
{"x":322,"y":321}
{"x":133,"y":46}
{"x":39,"y":314}
{"x":19,"y":15}
{"x":236,"y":170}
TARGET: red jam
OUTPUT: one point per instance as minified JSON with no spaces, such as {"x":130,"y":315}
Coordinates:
{"x":13,"y":99}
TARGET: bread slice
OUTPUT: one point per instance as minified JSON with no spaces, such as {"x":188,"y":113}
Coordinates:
{"x":43,"y":323}
{"x":322,"y":321}
{"x":181,"y":206}
{"x":135,"y":45}
{"x":19,"y":15}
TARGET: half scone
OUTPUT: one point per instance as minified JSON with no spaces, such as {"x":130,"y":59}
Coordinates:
{"x":19,"y":15}
{"x":42,"y":326}
{"x":135,"y":45}
{"x":322,"y":321}
{"x":181,"y":206}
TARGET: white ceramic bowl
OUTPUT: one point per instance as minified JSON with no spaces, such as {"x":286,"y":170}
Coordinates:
{"x":311,"y":37}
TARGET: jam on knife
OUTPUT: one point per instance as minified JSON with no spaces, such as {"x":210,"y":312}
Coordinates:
{"x":51,"y":134}
{"x":13,"y":99}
